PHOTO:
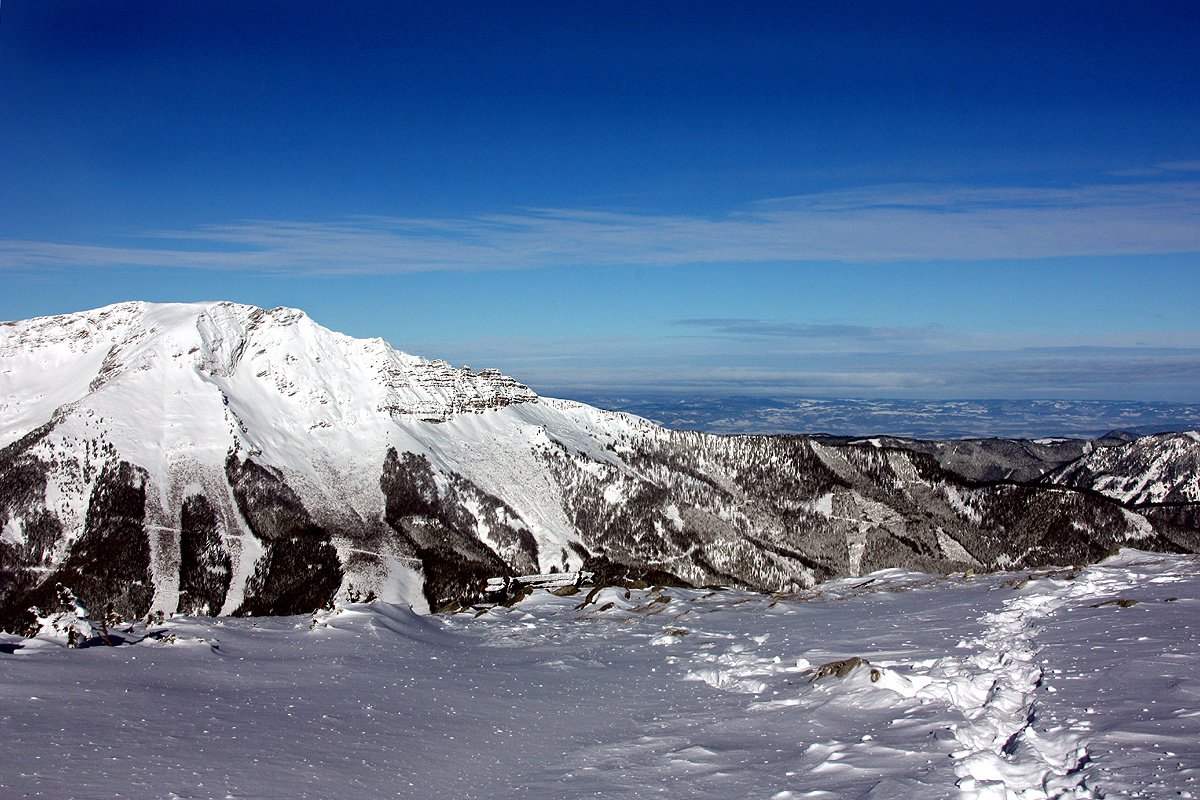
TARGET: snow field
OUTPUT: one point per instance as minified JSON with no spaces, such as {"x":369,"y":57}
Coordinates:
{"x":996,"y":686}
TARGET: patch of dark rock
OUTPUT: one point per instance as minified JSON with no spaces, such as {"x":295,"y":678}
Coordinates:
{"x":843,"y":668}
{"x":517,"y":596}
{"x":591,"y":596}
{"x":653,"y":606}
{"x":1118,"y":601}
{"x":1064,"y":574}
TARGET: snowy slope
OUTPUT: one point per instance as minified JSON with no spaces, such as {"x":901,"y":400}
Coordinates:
{"x":218,"y":458}
{"x":171,"y":381}
{"x":1057,"y":683}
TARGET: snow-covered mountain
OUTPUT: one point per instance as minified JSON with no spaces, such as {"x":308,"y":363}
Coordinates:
{"x":1164,"y":468}
{"x":1157,"y":475}
{"x":219,"y":458}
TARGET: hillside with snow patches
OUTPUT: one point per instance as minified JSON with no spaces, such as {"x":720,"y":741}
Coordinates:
{"x":1156,"y":475}
{"x":222,"y":459}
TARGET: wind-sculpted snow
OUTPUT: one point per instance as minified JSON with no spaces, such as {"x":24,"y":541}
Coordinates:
{"x":223,"y":459}
{"x":1056,"y":683}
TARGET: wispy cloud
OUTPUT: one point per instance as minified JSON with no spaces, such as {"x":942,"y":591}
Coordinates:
{"x":876,"y":224}
{"x":921,"y":338}
{"x":792,"y":330}
{"x":1075,"y":374}
{"x":1159,"y":170}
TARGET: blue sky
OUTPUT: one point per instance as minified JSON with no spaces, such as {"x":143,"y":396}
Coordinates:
{"x":871,"y":199}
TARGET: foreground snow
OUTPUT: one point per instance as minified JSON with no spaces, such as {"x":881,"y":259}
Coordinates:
{"x":1005,"y":685}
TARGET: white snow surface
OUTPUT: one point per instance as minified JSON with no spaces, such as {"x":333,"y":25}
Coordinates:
{"x":1019,"y":685}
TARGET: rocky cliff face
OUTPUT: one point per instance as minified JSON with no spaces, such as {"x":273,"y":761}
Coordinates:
{"x":222,"y":459}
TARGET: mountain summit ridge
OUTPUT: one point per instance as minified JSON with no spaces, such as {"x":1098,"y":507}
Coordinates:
{"x":215,"y":338}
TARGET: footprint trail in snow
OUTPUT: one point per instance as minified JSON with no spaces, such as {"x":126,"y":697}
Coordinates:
{"x":920,"y":719}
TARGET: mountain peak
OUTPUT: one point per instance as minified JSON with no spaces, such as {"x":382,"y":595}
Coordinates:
{"x":277,"y":366}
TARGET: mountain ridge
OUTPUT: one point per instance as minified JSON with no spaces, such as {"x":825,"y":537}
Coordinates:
{"x":223,"y":459}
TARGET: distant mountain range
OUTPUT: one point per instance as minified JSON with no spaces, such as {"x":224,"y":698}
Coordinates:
{"x":919,"y":419}
{"x":223,"y":459}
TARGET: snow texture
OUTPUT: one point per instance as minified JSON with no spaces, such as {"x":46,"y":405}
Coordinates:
{"x":1061,"y":683}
